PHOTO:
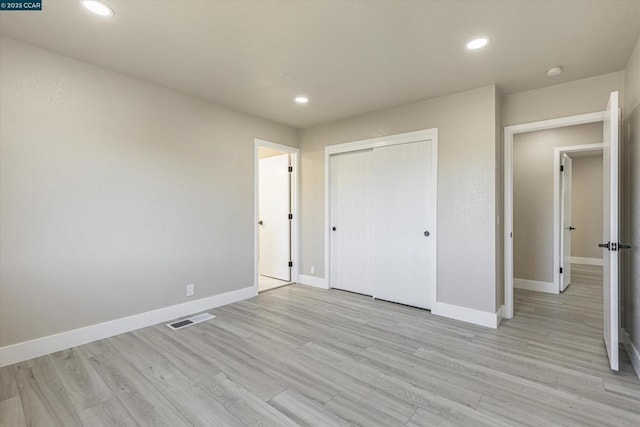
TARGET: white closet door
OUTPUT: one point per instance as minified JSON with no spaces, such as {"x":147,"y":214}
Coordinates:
{"x":273,"y":210}
{"x":350,"y":221}
{"x":403,"y":255}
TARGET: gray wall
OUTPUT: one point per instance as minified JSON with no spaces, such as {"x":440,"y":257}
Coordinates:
{"x":631,"y":191}
{"x":466,"y":125}
{"x":586,"y":206}
{"x":533,"y":154}
{"x":567,"y":99}
{"x":115,"y":193}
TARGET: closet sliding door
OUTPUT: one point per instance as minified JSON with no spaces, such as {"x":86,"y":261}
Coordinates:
{"x":401,"y":253}
{"x":351,"y":221}
{"x":382,"y":219}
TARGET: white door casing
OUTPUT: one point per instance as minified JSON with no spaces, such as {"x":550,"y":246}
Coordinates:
{"x":610,"y":228}
{"x":565,"y":214}
{"x":274,"y":206}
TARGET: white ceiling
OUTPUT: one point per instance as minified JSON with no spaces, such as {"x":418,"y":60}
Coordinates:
{"x":349,"y":57}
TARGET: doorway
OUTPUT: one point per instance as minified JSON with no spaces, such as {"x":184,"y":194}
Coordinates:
{"x":541,"y":196}
{"x":275,"y":215}
{"x":577,"y":210}
{"x":610,"y":117}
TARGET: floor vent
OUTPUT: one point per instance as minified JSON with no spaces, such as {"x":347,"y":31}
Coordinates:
{"x":190,"y":321}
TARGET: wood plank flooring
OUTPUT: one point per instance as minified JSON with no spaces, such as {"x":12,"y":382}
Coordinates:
{"x":304,"y":356}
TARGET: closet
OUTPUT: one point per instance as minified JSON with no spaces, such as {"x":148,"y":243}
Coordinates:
{"x":382,"y":218}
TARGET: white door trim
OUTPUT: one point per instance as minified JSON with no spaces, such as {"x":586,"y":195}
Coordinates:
{"x":295,"y":202}
{"x":557,"y":203}
{"x":509,"y":132}
{"x":384,"y":141}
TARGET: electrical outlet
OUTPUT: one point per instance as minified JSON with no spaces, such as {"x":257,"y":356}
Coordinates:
{"x":191,"y":289}
{"x":313,"y":269}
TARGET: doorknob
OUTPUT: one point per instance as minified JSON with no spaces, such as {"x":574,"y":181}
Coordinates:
{"x":614,"y":246}
{"x":334,"y":229}
{"x":260,"y":222}
{"x":426,"y":234}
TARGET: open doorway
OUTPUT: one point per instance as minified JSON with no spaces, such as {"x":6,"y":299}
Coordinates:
{"x":578,"y":207}
{"x":543,"y":204}
{"x":610,"y":245}
{"x":276,"y":199}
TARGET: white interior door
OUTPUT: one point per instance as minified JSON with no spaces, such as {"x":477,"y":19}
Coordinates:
{"x":610,"y":228}
{"x":402,"y":253}
{"x":350,"y":221}
{"x":274,"y":204}
{"x":567,"y":228}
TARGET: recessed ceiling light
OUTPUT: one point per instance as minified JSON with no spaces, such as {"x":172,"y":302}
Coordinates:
{"x":554,"y":71}
{"x":477,"y":43}
{"x":98,"y":7}
{"x":301,"y":99}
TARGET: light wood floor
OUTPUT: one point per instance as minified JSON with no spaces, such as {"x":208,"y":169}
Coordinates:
{"x":304,"y":356}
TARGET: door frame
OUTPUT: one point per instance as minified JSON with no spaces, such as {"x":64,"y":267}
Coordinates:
{"x":384,"y":141}
{"x":295,"y":203}
{"x":509,"y":133}
{"x":557,"y":203}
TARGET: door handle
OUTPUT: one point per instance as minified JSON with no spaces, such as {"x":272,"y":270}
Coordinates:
{"x":261,"y":222}
{"x":623,"y":246}
{"x":570,"y":228}
{"x":333,"y":228}
{"x":426,"y":234}
{"x":604,"y":245}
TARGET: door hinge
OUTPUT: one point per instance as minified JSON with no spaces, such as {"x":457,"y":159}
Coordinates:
{"x":560,"y":270}
{"x":561,"y":168}
{"x":290,"y":263}
{"x":290,"y":216}
{"x":290,"y":169}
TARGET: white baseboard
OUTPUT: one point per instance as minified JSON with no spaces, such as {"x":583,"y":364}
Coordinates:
{"x":316,"y":282}
{"x":534,"y":285}
{"x":50,"y":344}
{"x":633,"y":352}
{"x":470,"y":315}
{"x":586,"y":261}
